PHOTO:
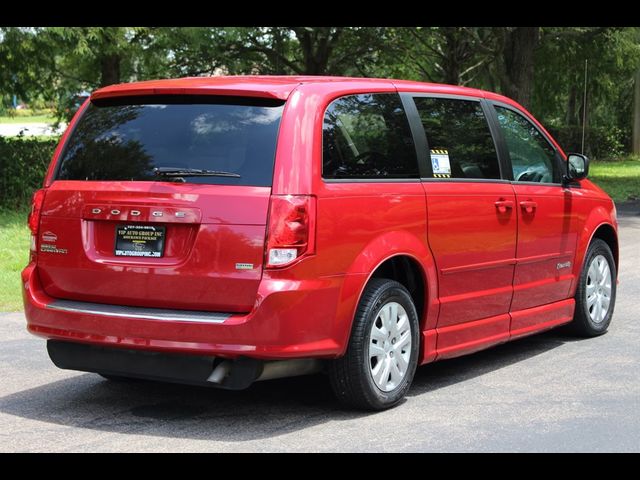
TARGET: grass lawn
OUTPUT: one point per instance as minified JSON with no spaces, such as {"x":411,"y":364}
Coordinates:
{"x":31,"y":119}
{"x":620,"y":179}
{"x":14,"y":254}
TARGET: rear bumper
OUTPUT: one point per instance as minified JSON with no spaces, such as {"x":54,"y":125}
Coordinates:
{"x":190,"y":369}
{"x":291,"y":319}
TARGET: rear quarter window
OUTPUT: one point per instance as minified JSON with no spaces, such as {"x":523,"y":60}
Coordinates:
{"x":131,"y":139}
{"x":368,"y":137}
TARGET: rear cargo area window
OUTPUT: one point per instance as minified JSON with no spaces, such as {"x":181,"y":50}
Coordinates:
{"x":228,"y":141}
{"x":368,"y":137}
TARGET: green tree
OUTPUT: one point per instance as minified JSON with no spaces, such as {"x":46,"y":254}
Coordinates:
{"x":613,"y":56}
{"x":27,"y":64}
{"x":636,"y":114}
{"x":274,"y":50}
{"x":100,"y":56}
{"x":516,"y":61}
{"x":56,"y":62}
{"x":453,"y":55}
{"x":96,"y":56}
{"x":541,"y":67}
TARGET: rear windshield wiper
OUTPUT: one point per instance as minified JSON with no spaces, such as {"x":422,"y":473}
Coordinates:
{"x":191,"y":172}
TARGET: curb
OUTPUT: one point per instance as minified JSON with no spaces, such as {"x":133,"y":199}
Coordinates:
{"x":628,"y":208}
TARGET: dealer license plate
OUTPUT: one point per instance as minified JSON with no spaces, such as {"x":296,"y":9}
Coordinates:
{"x":139,"y":241}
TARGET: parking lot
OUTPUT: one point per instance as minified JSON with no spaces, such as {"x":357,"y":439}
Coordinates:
{"x":544,"y":393}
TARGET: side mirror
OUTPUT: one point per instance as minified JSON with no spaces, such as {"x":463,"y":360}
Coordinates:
{"x":577,"y":167}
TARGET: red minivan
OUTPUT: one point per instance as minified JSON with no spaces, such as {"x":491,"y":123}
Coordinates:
{"x":220,"y":231}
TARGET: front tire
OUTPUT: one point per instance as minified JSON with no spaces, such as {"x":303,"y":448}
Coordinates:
{"x":382,"y":355}
{"x":596,"y":292}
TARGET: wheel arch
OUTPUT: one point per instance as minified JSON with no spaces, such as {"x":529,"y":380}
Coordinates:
{"x":599,"y":224}
{"x":409,"y":257}
{"x":608,"y":234}
{"x":406,"y":270}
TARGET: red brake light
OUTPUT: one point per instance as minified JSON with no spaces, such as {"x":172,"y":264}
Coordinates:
{"x":36,"y":207}
{"x":291,"y":224}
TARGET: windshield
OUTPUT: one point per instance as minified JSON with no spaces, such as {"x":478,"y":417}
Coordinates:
{"x":134,"y":139}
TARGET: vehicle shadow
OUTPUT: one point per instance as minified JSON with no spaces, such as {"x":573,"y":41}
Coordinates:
{"x":449,"y":372}
{"x":265,"y":410}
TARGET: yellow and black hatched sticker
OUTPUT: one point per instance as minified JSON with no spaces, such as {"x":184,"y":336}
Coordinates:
{"x":440,"y":163}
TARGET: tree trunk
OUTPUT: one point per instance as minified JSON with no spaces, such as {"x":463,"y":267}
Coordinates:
{"x":317,"y":47}
{"x":451,"y":60}
{"x":278,"y":68}
{"x":636,"y":116}
{"x":110,"y":69}
{"x":518,"y":55}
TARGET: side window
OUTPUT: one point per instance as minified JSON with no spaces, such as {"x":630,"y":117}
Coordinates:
{"x":532,"y":157}
{"x":460,"y":142}
{"x":368,"y":136}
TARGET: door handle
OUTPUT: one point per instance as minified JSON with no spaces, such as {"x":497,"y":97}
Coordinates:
{"x":528,"y":206}
{"x":504,"y":205}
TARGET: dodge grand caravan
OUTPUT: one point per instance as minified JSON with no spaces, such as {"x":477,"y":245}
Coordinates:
{"x":221,"y":231}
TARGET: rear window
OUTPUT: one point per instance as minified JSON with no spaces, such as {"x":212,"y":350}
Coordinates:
{"x":136,"y":138}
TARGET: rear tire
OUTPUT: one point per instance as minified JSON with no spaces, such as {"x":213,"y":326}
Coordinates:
{"x":381,"y":359}
{"x":596,"y":292}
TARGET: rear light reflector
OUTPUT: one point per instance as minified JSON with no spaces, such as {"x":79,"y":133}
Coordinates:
{"x":36,"y":208}
{"x":34,"y":222}
{"x":291,"y":229}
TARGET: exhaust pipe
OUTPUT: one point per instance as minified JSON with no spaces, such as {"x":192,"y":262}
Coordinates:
{"x":289,"y":368}
{"x":220,"y":372}
{"x":224,"y":371}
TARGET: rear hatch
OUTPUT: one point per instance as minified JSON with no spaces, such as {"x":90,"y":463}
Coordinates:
{"x":162,"y":201}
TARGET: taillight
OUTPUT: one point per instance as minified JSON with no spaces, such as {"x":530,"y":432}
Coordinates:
{"x":36,"y":207}
{"x":291,"y":229}
{"x":34,"y":219}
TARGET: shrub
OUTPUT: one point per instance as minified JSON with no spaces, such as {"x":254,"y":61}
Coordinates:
{"x":600,"y":142}
{"x":23,"y":164}
{"x":30,"y":112}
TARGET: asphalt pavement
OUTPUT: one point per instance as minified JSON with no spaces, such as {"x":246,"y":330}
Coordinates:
{"x":548,"y":392}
